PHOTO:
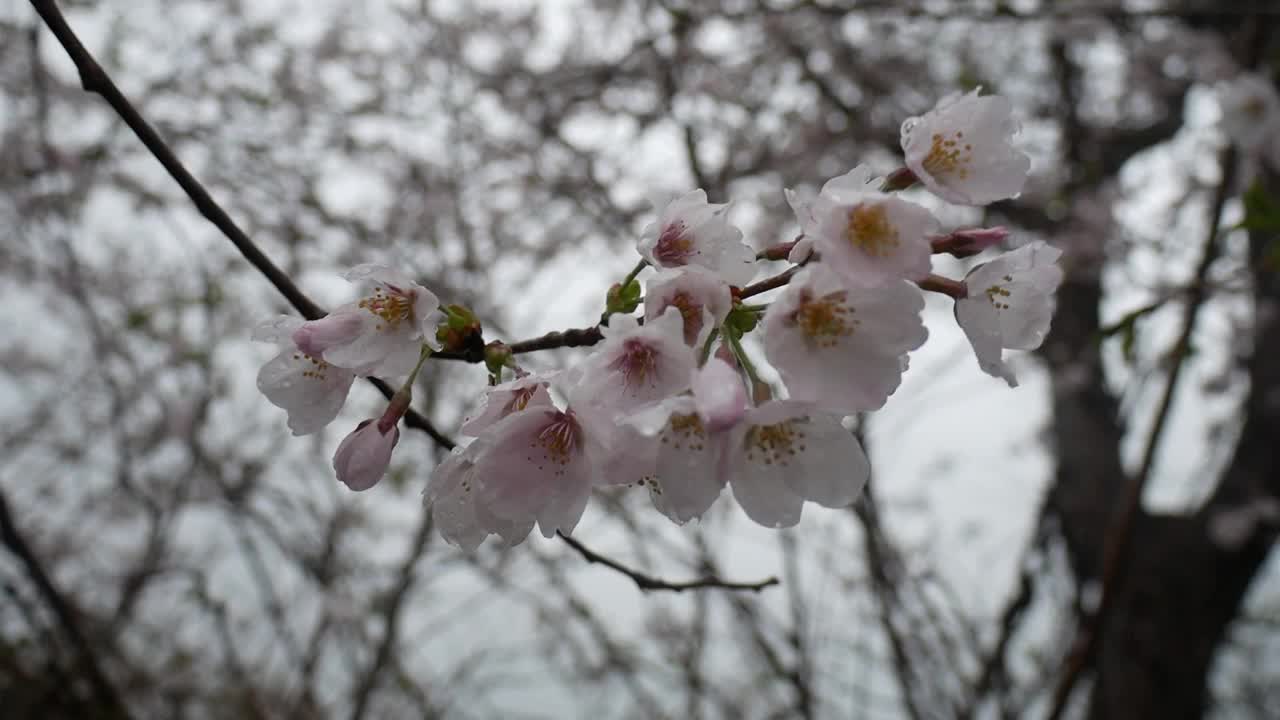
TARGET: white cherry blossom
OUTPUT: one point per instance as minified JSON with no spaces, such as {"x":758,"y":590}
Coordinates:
{"x":691,"y":231}
{"x":1251,"y":113}
{"x":1009,"y":305}
{"x":451,"y":495}
{"x":869,"y":237}
{"x":637,"y":364}
{"x":784,"y":453}
{"x":962,"y":149}
{"x":703,"y":299}
{"x":382,"y":332}
{"x":309,"y":389}
{"x":674,"y":448}
{"x":842,"y":348}
{"x":539,"y":464}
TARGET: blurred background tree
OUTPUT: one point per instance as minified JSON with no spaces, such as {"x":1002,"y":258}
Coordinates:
{"x":171,"y":552}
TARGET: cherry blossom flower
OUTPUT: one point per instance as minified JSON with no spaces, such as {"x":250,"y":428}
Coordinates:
{"x":637,"y":364}
{"x":540,"y":464}
{"x":502,"y":400}
{"x":703,"y":299}
{"x":784,"y":453}
{"x":962,"y":150}
{"x":674,"y":448}
{"x":363,"y":456}
{"x":451,"y":496}
{"x":309,"y":389}
{"x":842,"y":348}
{"x":871,"y":238}
{"x":691,"y":231}
{"x":1009,"y":305}
{"x":1250,"y":113}
{"x":382,"y":332}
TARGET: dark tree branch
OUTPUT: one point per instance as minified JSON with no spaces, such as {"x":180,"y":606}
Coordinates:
{"x":102,"y":687}
{"x":1120,"y":531}
{"x":391,"y":619}
{"x":648,"y":582}
{"x":95,"y":80}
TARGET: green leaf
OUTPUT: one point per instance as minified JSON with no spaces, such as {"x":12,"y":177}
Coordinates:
{"x":1261,"y":211}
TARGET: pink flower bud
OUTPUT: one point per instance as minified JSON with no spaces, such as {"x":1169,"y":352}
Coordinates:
{"x":967,"y":243}
{"x":315,"y":336}
{"x":363,"y":456}
{"x":719,"y":395}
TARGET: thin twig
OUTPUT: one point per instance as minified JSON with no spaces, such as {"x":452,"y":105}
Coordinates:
{"x":391,"y":619}
{"x":648,"y":582}
{"x":768,"y":284}
{"x":102,"y":687}
{"x":95,"y":80}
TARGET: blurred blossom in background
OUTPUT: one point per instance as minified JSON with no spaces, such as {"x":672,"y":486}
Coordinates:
{"x":203,"y":562}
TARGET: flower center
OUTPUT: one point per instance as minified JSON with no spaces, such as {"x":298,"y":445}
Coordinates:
{"x":999,"y":295}
{"x":638,"y":363}
{"x":674,"y":246}
{"x":691,"y":311}
{"x":559,"y":439}
{"x":775,"y":443}
{"x":869,"y":230}
{"x":391,"y":304}
{"x":824,"y":320}
{"x":948,"y":156}
{"x":685,"y":431}
{"x":317,"y":369}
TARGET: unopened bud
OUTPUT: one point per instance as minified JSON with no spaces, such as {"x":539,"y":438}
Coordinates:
{"x":967,"y":243}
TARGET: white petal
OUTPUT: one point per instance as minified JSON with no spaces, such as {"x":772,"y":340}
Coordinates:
{"x":688,"y":477}
{"x":502,"y":400}
{"x":277,"y":330}
{"x":311,"y":391}
{"x":833,"y":470}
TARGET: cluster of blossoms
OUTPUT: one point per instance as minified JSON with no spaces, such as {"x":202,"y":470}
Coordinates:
{"x":670,"y":400}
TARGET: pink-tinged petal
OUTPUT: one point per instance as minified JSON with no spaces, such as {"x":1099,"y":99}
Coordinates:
{"x":509,"y":397}
{"x":314,"y":337}
{"x":450,"y":496}
{"x":363,"y":456}
{"x":377,"y":351}
{"x":311,"y":391}
{"x":719,"y":395}
{"x":636,"y":365}
{"x":532,"y":457}
{"x":702,"y":298}
{"x":691,"y":231}
{"x":563,"y":509}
